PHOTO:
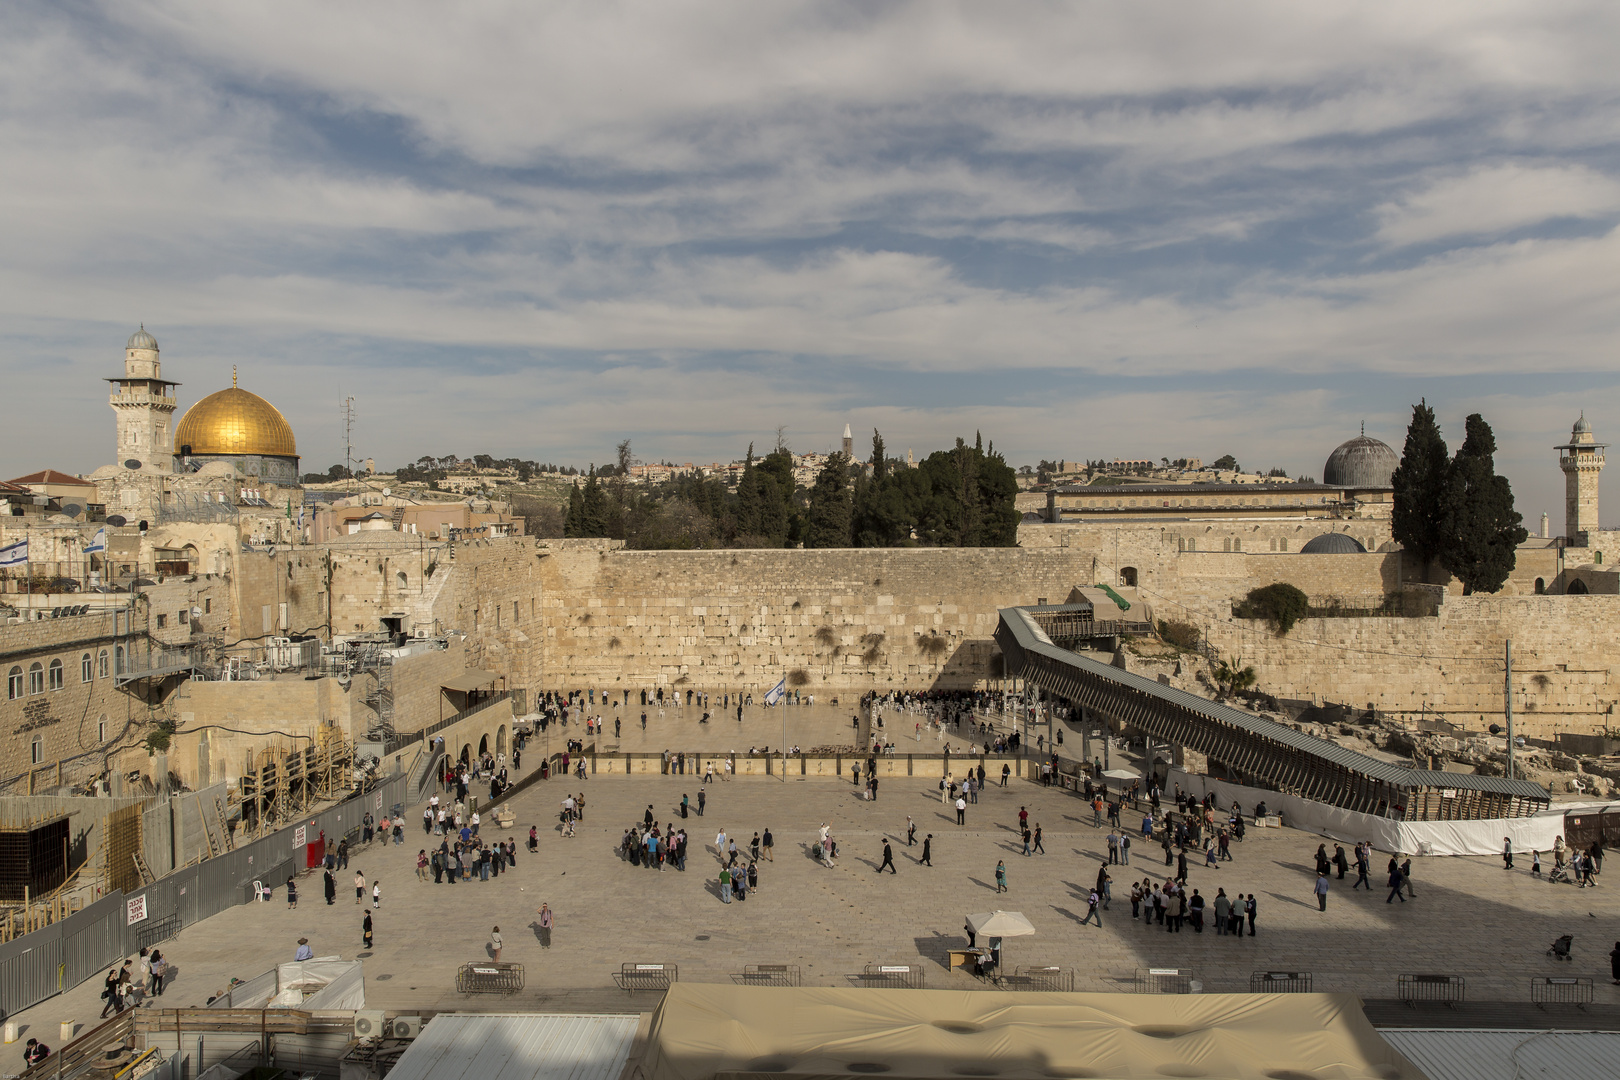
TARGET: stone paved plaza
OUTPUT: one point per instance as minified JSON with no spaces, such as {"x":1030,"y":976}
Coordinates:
{"x":1469,"y":917}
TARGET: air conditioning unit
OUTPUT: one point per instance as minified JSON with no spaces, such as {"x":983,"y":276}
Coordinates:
{"x":405,"y":1027}
{"x":368,"y":1024}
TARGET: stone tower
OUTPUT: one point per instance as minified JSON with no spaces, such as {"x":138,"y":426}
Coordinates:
{"x":849,"y":444}
{"x":143,"y":401}
{"x":1582,"y":460}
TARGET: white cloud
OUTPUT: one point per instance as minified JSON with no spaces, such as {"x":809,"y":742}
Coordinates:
{"x":1496,"y":199}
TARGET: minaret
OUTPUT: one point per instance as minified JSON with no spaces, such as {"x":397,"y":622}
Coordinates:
{"x":143,"y":401}
{"x":849,"y":444}
{"x":1581,"y":459}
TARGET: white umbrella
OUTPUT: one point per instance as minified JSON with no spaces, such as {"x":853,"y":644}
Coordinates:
{"x":1000,"y":924}
{"x":1122,"y":774}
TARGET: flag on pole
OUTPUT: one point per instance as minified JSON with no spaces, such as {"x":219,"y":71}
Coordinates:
{"x":774,"y":694}
{"x":98,"y":542}
{"x":15,"y":554}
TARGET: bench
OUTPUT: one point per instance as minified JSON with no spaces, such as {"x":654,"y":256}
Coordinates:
{"x":890,"y":976}
{"x":768,"y":975}
{"x":1280,"y":982}
{"x":1446,"y":990}
{"x":634,"y":977}
{"x":489,"y":977}
{"x":1561,"y":991}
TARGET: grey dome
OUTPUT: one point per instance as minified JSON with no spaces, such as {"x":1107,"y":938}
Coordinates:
{"x":1333,"y":544}
{"x":140,"y":339}
{"x":1583,"y":425}
{"x":1362,"y":462}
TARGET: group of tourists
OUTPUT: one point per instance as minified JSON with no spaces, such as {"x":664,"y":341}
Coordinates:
{"x":130,"y":985}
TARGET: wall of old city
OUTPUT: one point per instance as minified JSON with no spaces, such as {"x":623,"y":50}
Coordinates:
{"x":493,"y":594}
{"x":224,"y":724}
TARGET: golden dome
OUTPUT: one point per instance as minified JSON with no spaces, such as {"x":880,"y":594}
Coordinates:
{"x":235,"y":422}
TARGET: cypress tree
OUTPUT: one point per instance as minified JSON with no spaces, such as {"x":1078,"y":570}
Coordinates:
{"x":1420,"y":482}
{"x":1482,"y":530}
{"x":879,"y":463}
{"x":573,"y":522}
{"x":831,"y":508}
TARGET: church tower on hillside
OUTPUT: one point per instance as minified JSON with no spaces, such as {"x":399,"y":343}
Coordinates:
{"x":1582,"y":460}
{"x":849,"y":444}
{"x":143,"y":401}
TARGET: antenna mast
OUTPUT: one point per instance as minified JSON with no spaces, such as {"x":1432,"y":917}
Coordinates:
{"x":346,"y":410}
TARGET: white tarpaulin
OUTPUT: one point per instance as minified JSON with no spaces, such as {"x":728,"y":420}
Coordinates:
{"x":1478,"y":837}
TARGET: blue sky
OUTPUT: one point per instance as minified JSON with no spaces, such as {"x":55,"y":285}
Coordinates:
{"x":1086,"y":230}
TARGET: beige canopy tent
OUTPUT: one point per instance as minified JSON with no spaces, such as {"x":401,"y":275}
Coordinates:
{"x":1000,"y":924}
{"x":704,"y":1031}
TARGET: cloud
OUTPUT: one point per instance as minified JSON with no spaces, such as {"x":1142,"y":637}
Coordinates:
{"x":1497,"y":199}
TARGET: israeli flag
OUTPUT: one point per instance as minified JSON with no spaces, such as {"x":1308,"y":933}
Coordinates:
{"x":774,"y":694}
{"x":98,"y":543}
{"x":14,"y":554}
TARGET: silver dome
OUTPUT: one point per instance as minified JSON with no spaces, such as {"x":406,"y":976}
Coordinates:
{"x":140,"y":339}
{"x":1333,"y":544}
{"x":1582,"y":426}
{"x":1361,"y":462}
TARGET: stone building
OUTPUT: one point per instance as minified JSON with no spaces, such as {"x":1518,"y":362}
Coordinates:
{"x":1581,"y":459}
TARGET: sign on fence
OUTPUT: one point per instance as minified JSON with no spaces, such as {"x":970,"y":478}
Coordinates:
{"x":135,"y":909}
{"x":300,"y":834}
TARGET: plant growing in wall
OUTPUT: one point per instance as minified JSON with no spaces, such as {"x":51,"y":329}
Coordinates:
{"x":874,"y":647}
{"x":1183,"y":635}
{"x":1282,"y":605}
{"x":614,"y":643}
{"x":162,"y":733}
{"x":798,"y":677}
{"x":826,"y":636}
{"x":932,"y":646}
{"x":1231,"y":678}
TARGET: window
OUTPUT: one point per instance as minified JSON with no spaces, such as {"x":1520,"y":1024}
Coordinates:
{"x":185,"y":617}
{"x":163,"y":620}
{"x":36,"y":750}
{"x":208,"y":606}
{"x":14,"y":684}
{"x":58,"y":674}
{"x":101,"y":729}
{"x":86,"y":671}
{"x":514,"y":611}
{"x":101,"y":664}
{"x":36,"y":678}
{"x":118,"y":659}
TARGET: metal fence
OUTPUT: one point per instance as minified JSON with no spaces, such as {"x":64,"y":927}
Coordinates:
{"x":1280,"y":982}
{"x":891,"y":976}
{"x":1556,"y":991}
{"x":489,"y":977}
{"x":768,"y":975}
{"x":58,"y":957}
{"x":1442,"y":989}
{"x":1039,"y":978}
{"x":633,"y":976}
{"x":1163,"y":981}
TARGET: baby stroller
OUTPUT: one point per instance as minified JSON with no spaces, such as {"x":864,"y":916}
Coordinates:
{"x":1560,"y":948}
{"x":1560,"y":875}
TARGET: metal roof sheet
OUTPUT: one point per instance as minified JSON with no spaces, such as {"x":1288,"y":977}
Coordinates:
{"x":518,"y":1046}
{"x":1033,"y":639}
{"x":1507,"y":1055}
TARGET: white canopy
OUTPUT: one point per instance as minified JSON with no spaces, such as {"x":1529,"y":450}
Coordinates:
{"x":1123,"y":774}
{"x":1003,"y":924}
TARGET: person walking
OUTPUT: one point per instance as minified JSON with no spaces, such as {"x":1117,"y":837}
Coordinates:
{"x":1038,"y":846}
{"x":376,"y":895}
{"x":1363,"y":861}
{"x":109,"y":994}
{"x":888,"y":859}
{"x":766,"y":843}
{"x":927,"y":854}
{"x":1507,"y":853}
{"x":1322,"y":891}
{"x":1614,"y":963}
{"x":292,"y":893}
{"x":911,"y":831}
{"x":1406,"y":879}
{"x":1093,"y":910}
{"x":546,"y":921}
{"x":725,"y":885}
{"x":160,"y":969}
{"x":1001,"y":877}
{"x":359,"y":887}
{"x":1250,"y":909}
{"x":365,"y":930}
{"x":1341,"y":863}
{"x":961,"y":811}
{"x":331,"y":888}
{"x":495,"y":944}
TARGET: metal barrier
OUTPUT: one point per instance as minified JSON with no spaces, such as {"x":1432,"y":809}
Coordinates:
{"x":1039,"y":978}
{"x":158,"y":932}
{"x":1556,"y":991}
{"x":1163,"y":981}
{"x":489,"y":977}
{"x":768,"y":975}
{"x":1280,"y":982}
{"x":633,"y":977}
{"x":1442,"y":989}
{"x":891,"y":976}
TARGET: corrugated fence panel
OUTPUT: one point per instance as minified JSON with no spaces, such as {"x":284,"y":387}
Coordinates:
{"x":31,"y":969}
{"x":162,"y":919}
{"x":93,"y":939}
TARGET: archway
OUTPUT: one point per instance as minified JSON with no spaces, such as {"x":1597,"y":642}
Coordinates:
{"x":466,"y":754}
{"x":500,"y":739}
{"x":1541,"y":586}
{"x":1127,"y":577}
{"x":1577,"y":588}
{"x":483,"y":745}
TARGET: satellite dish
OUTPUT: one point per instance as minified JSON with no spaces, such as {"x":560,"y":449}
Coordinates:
{"x":72,"y":510}
{"x":385,"y":491}
{"x":196,"y":612}
{"x":116,"y":520}
{"x":132,"y":463}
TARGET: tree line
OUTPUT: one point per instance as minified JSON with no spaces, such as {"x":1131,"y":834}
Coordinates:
{"x":961,"y":497}
{"x":1455,"y":511}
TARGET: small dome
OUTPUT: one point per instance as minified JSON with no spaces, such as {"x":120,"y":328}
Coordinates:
{"x":235,"y":422}
{"x":140,"y":339}
{"x":1361,"y":462}
{"x":1583,"y":426}
{"x":1333,"y":544}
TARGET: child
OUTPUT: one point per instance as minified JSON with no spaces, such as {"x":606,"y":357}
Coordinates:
{"x":1535,"y":864}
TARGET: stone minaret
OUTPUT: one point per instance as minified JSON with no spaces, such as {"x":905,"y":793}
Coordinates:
{"x":143,"y":401}
{"x":849,"y":444}
{"x":1582,"y":460}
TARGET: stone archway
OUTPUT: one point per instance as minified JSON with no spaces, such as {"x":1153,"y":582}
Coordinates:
{"x":500,"y":740}
{"x":1127,"y":577}
{"x":466,"y":754}
{"x":1577,"y":588}
{"x":483,"y":745}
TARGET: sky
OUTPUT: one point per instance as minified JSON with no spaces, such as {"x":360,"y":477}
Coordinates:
{"x":1084,"y":230}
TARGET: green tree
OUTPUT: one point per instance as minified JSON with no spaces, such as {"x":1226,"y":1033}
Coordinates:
{"x":1226,"y":463}
{"x":1282,"y":605}
{"x":828,"y":523}
{"x":1420,"y":481}
{"x":574,"y":519}
{"x":879,"y":464}
{"x":1481,"y":528}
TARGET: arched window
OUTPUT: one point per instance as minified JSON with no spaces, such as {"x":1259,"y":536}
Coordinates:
{"x":1577,"y":588}
{"x":1127,"y":577}
{"x":14,"y":684}
{"x":403,"y":580}
{"x":101,"y":664}
{"x":36,"y":750}
{"x":36,"y":678}
{"x":1541,"y":586}
{"x":86,"y":671}
{"x":58,"y":674}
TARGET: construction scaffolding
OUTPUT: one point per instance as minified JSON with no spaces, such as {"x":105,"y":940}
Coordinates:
{"x":286,"y":783}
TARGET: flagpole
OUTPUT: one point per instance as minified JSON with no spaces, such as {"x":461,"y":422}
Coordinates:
{"x":779,"y":706}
